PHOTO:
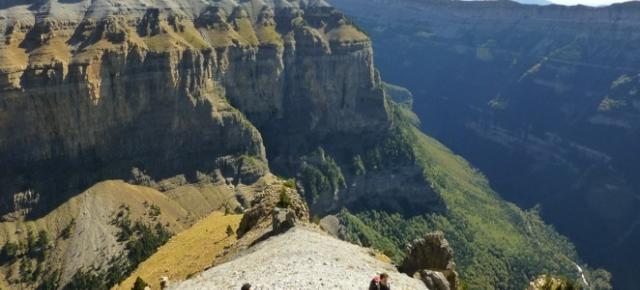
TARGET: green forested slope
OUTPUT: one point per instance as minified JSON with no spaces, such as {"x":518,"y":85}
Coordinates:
{"x":497,"y":245}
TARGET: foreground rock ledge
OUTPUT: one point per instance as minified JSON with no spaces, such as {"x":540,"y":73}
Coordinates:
{"x":301,"y":258}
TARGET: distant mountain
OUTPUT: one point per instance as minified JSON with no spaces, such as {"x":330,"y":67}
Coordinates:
{"x":543,"y":99}
{"x":531,"y":2}
{"x":535,"y":2}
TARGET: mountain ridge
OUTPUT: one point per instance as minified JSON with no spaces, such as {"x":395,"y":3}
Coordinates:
{"x":321,"y":261}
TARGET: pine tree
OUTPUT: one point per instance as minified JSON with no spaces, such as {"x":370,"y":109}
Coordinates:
{"x":41,"y":245}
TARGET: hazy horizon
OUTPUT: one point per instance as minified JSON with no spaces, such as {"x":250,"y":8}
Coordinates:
{"x":587,"y":2}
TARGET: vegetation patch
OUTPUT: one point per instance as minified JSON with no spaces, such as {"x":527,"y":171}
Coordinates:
{"x":497,"y":245}
{"x":29,"y":254}
{"x":190,"y":251}
{"x":320,"y":175}
{"x":141,"y":240}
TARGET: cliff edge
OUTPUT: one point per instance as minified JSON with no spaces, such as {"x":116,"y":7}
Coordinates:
{"x":301,"y":258}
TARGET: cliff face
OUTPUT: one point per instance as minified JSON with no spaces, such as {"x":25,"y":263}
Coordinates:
{"x":91,"y":89}
{"x":541,"y":99}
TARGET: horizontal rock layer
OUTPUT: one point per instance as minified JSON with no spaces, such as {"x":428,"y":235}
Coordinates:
{"x":168,"y":87}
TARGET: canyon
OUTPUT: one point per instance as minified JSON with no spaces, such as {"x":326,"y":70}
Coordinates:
{"x":123,"y":123}
{"x":542,"y":99}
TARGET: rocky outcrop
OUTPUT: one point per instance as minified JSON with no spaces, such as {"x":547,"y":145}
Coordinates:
{"x":431,"y":259}
{"x":93,"y":89}
{"x":268,"y":210}
{"x":548,"y":282}
{"x":282,"y":219}
{"x":434,"y":280}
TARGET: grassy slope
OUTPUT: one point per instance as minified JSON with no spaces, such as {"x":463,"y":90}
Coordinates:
{"x":3,"y":285}
{"x":92,"y":236}
{"x":94,"y":209}
{"x":498,"y":229}
{"x":191,"y":251}
{"x":200,"y":199}
{"x":103,"y":198}
{"x":498,"y":246}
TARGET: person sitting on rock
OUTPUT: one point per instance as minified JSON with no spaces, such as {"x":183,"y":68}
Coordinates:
{"x":380,"y":282}
{"x":246,"y":286}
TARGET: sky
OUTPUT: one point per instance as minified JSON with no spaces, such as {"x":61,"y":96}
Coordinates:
{"x":587,"y":2}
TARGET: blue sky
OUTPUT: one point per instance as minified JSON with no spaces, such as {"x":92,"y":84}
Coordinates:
{"x":587,"y":2}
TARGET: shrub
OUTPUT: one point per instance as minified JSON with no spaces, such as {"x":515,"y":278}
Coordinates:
{"x":147,"y":242}
{"x":139,"y":284}
{"x":66,"y":232}
{"x":9,"y":252}
{"x":290,"y":183}
{"x":31,"y":241}
{"x":320,"y":175}
{"x":26,"y":269}
{"x":285,"y":200}
{"x":155,"y":210}
{"x":358,"y":166}
{"x":50,"y":281}
{"x":230,"y":231}
{"x":85,"y":280}
{"x":39,"y":248}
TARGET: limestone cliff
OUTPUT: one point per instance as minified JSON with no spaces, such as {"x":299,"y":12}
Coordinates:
{"x":91,"y":89}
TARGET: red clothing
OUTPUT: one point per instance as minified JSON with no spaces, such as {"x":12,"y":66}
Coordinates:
{"x":376,"y":285}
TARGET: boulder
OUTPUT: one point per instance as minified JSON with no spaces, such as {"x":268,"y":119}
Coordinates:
{"x":262,"y":211}
{"x":430,"y":254}
{"x":282,"y":219}
{"x":434,"y":280}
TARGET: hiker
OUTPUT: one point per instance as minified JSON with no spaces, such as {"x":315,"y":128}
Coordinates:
{"x":380,"y":282}
{"x":246,"y":286}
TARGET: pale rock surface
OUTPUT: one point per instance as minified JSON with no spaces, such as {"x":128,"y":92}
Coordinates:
{"x":301,"y":258}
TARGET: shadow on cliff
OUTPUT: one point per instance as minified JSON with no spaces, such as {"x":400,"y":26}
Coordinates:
{"x":151,"y":143}
{"x":54,"y":182}
{"x":33,"y":4}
